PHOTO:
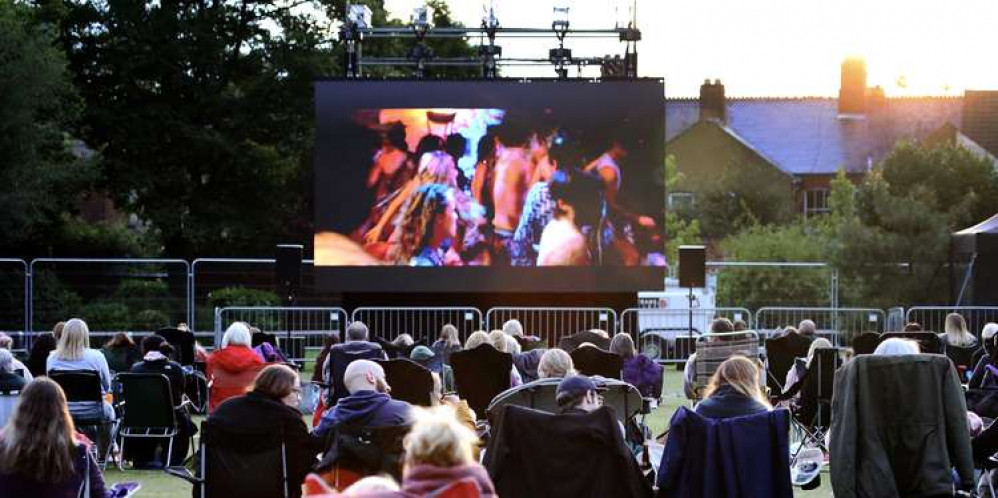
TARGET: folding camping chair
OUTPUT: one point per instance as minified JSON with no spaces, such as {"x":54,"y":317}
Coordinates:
{"x":595,"y":361}
{"x":928,"y":342}
{"x":866,"y":343}
{"x":780,"y":354}
{"x":410,"y":381}
{"x":481,"y":374}
{"x":812,"y":412}
{"x":355,"y":451}
{"x":147,"y":411}
{"x":84,"y":386}
{"x":714,"y":348}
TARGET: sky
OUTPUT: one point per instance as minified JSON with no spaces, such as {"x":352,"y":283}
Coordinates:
{"x":773,"y":48}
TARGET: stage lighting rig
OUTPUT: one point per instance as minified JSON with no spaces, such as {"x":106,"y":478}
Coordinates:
{"x":421,"y":22}
{"x":358,"y":19}
{"x":561,"y":56}
{"x":489,"y":52}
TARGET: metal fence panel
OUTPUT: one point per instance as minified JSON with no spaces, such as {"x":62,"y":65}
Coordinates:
{"x":551,"y":324}
{"x":895,"y":319}
{"x":838,"y":325}
{"x":665,"y":335}
{"x":933,"y":318}
{"x":308,"y":326}
{"x":421,"y":323}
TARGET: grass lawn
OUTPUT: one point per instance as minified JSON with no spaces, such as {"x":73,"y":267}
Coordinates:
{"x":158,"y":484}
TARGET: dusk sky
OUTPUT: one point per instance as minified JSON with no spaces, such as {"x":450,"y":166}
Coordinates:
{"x":775,"y":47}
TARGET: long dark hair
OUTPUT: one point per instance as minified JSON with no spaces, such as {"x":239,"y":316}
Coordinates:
{"x":38,"y":441}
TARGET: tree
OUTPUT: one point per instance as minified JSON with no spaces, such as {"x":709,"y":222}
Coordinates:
{"x":744,"y":195}
{"x":41,"y":176}
{"x":678,"y":230}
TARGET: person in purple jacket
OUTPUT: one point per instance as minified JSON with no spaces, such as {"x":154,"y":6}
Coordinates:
{"x":40,"y":454}
{"x":638,"y":370}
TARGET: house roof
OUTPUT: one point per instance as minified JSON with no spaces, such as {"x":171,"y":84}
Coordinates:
{"x":806,"y":136}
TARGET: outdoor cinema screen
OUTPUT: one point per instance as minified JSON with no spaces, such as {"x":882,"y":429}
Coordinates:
{"x":488,"y":186}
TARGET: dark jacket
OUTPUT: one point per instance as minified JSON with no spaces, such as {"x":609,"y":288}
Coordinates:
{"x":342,"y":355}
{"x":121,"y":358}
{"x":442,"y":351}
{"x":254,"y":412}
{"x":899,"y":424}
{"x":526,"y":363}
{"x":10,"y":381}
{"x":740,"y":457}
{"x":369,"y":408}
{"x":726,"y":402}
{"x":41,"y":346}
{"x":16,"y":485}
{"x":171,"y":369}
{"x":533,"y":453}
{"x":643,"y":373}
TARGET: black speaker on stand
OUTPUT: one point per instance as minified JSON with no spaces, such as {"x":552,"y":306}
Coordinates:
{"x":692,"y":273}
{"x":287,"y":275}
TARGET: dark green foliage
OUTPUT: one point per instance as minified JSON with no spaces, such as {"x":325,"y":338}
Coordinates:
{"x":241,"y":296}
{"x":150,"y":320}
{"x":107,"y":316}
{"x":54,"y":302}
{"x":744,"y":195}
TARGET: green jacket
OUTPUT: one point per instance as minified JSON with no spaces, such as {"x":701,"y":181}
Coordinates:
{"x":899,"y":425}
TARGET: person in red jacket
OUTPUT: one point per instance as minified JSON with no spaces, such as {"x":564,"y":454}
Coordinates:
{"x":232,"y":368}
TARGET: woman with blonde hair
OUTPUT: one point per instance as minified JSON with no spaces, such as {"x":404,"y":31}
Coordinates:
{"x":73,"y":353}
{"x":434,"y":167}
{"x":448,"y":342}
{"x":428,"y":223}
{"x":439,"y":452}
{"x":502,"y":343}
{"x":555,"y":364}
{"x":40,"y":454}
{"x":476,"y":339}
{"x":956,"y":333}
{"x":733,"y":391}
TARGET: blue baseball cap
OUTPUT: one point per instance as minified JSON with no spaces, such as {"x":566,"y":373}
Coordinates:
{"x":577,"y":385}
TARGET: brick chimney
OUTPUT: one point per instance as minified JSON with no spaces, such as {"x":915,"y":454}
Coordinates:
{"x":713,"y":105}
{"x":852,"y":90}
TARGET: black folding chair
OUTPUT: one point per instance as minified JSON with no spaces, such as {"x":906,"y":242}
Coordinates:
{"x":480,"y":375}
{"x":354,"y":451}
{"x":812,"y":413}
{"x":83,"y":386}
{"x":410,"y":381}
{"x":962,"y":358}
{"x":182,"y":342}
{"x":595,"y":361}
{"x":866,"y":343}
{"x":337,"y":363}
{"x":780,"y":355}
{"x":928,"y":342}
{"x":247,"y":464}
{"x":568,"y":344}
{"x":147,"y":410}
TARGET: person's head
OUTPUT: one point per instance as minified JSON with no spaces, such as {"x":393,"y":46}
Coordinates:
{"x":365,"y":375}
{"x":120,"y":340}
{"x":721,"y":325}
{"x":395,"y":136}
{"x":739,"y":325}
{"x":790,"y":330}
{"x":357,"y":331}
{"x":428,"y":220}
{"x":513,"y":327}
{"x":39,"y":439}
{"x":913,"y":327}
{"x":238,"y":334}
{"x":819,"y":343}
{"x":476,"y":339}
{"x":514,"y":133}
{"x":449,"y":334}
{"x":956,"y":330}
{"x":623,"y":345}
{"x":437,"y":439}
{"x":421,"y":354}
{"x":577,"y":196}
{"x":497,"y":339}
{"x":807,"y":328}
{"x":988,"y":333}
{"x":403,"y":341}
{"x":437,"y":167}
{"x":456,"y":145}
{"x":6,"y":341}
{"x":279,"y":383}
{"x":579,"y":392}
{"x":512,"y":346}
{"x":896,"y":346}
{"x":6,"y":361}
{"x":555,"y":363}
{"x":428,"y":144}
{"x":153,"y":342}
{"x":57,"y":330}
{"x":331,"y":339}
{"x":742,"y":375}
{"x":565,"y":151}
{"x":75,"y":340}
{"x":486,"y":150}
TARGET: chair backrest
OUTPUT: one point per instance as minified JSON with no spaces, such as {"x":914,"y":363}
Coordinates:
{"x":339,"y":358}
{"x":79,"y":385}
{"x":817,"y":387}
{"x":713,"y":349}
{"x":8,"y":402}
{"x":264,"y":337}
{"x":624,"y":398}
{"x":148,"y":400}
{"x":573,"y":341}
{"x":928,"y":342}
{"x":866,"y":343}
{"x":353,"y":452}
{"x":410,"y":381}
{"x":780,"y":354}
{"x":480,"y":375}
{"x":247,"y":464}
{"x":595,"y":361}
{"x":962,"y":356}
{"x":182,"y":341}
{"x":530,"y":344}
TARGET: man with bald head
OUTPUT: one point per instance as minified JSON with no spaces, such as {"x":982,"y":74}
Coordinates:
{"x":368,"y":403}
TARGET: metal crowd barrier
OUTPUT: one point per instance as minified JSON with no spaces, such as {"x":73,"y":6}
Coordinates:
{"x":421,"y":323}
{"x":933,"y":318}
{"x":308,"y":326}
{"x":895,"y":319}
{"x":665,"y":334}
{"x":838,"y":325}
{"x":551,"y":324}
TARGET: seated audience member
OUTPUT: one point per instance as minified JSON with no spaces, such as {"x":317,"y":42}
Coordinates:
{"x":897,"y":346}
{"x":739,"y":325}
{"x":733,"y":391}
{"x":555,"y":364}
{"x":120,"y":353}
{"x":801,"y":365}
{"x":41,"y":347}
{"x":266,"y":346}
{"x":807,"y":328}
{"x":403,"y":341}
{"x":7,"y":342}
{"x":40,"y":455}
{"x":356,"y":347}
{"x":476,"y":339}
{"x":578,"y":394}
{"x":513,"y":327}
{"x":913,"y":327}
{"x":425,"y":356}
{"x":447,"y":343}
{"x":638,"y":370}
{"x":155,"y":361}
{"x":506,"y":344}
{"x":9,"y":381}
{"x":227,"y":366}
{"x":718,"y":326}
{"x":73,"y":353}
{"x":368,"y":402}
{"x":332,"y":339}
{"x":273,"y":402}
{"x":956,"y":333}
{"x":983,"y":377}
{"x":527,"y":364}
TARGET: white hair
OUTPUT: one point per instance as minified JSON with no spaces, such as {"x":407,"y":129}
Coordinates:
{"x":513,"y":327}
{"x":897,"y":346}
{"x":989,"y":331}
{"x":237,"y":334}
{"x":6,"y":361}
{"x":807,"y":327}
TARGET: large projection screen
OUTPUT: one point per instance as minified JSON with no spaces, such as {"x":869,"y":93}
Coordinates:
{"x":489,"y":186}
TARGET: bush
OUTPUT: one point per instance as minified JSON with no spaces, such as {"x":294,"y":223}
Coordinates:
{"x":142,"y":294}
{"x":151,"y":320}
{"x":241,"y":296}
{"x":107,"y":316}
{"x":53,"y":301}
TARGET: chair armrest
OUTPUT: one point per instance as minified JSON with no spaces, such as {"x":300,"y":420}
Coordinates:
{"x":183,"y":473}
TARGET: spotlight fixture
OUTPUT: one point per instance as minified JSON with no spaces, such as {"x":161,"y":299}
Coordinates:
{"x":359,"y":16}
{"x":422,"y":19}
{"x":560,"y":21}
{"x":490,"y":14}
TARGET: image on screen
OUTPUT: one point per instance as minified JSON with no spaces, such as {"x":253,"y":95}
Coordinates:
{"x":521,"y":179}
